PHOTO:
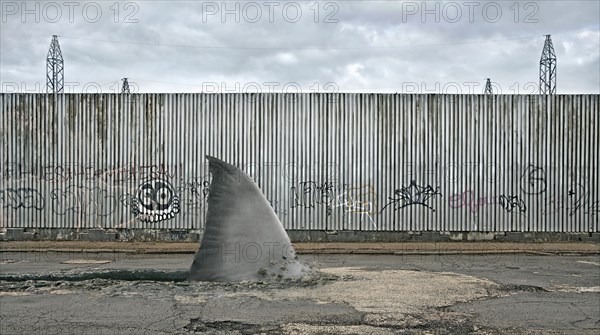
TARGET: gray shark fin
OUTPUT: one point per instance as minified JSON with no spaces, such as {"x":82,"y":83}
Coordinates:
{"x":243,"y":238}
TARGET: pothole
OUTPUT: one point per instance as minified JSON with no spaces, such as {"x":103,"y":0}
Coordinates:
{"x":127,"y":279}
{"x":521,"y":288}
{"x":126,"y":275}
{"x":86,"y":261}
{"x":230,"y":327}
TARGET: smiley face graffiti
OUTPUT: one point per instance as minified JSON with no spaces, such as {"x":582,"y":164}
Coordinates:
{"x":155,"y":201}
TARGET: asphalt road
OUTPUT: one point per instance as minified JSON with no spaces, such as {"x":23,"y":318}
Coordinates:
{"x":116,"y":293}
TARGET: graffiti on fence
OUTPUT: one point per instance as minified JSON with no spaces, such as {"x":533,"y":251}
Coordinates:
{"x":24,"y":197}
{"x":83,"y":200}
{"x":413,"y":195}
{"x":361,"y":200}
{"x":469,"y":200}
{"x":309,"y":194}
{"x":575,"y":201}
{"x":155,"y":200}
{"x":533,"y":180}
{"x":159,"y":199}
{"x":333,"y":198}
{"x":512,"y":204}
{"x":66,"y":172}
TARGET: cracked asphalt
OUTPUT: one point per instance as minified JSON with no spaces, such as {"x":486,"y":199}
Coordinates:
{"x":118,"y":293}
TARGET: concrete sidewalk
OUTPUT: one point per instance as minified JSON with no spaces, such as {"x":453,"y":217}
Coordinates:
{"x":408,"y":248}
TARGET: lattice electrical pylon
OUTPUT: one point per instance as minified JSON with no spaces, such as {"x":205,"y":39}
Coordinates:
{"x":548,"y":68}
{"x":125,"y":87}
{"x":55,"y":68}
{"x":488,"y":87}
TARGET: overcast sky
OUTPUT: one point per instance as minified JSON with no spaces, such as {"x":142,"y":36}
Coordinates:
{"x":345,"y":46}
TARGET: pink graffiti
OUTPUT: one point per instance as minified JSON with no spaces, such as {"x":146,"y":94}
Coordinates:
{"x":468,"y":199}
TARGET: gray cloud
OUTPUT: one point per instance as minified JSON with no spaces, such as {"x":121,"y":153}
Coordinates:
{"x":369,"y":46}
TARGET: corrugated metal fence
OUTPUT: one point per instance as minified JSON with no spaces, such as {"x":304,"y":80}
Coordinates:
{"x":390,"y":162}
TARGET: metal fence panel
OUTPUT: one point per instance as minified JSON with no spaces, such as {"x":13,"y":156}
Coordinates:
{"x":390,"y":162}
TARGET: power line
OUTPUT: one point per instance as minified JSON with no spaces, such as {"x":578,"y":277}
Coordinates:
{"x":166,"y":82}
{"x":298,"y":48}
{"x":109,"y":83}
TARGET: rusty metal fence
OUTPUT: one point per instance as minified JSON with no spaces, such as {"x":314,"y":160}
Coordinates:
{"x":387,"y":162}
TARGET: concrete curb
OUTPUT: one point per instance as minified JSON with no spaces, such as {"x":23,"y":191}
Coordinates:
{"x":296,"y":236}
{"x":425,"y":248}
{"x":318,"y":251}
